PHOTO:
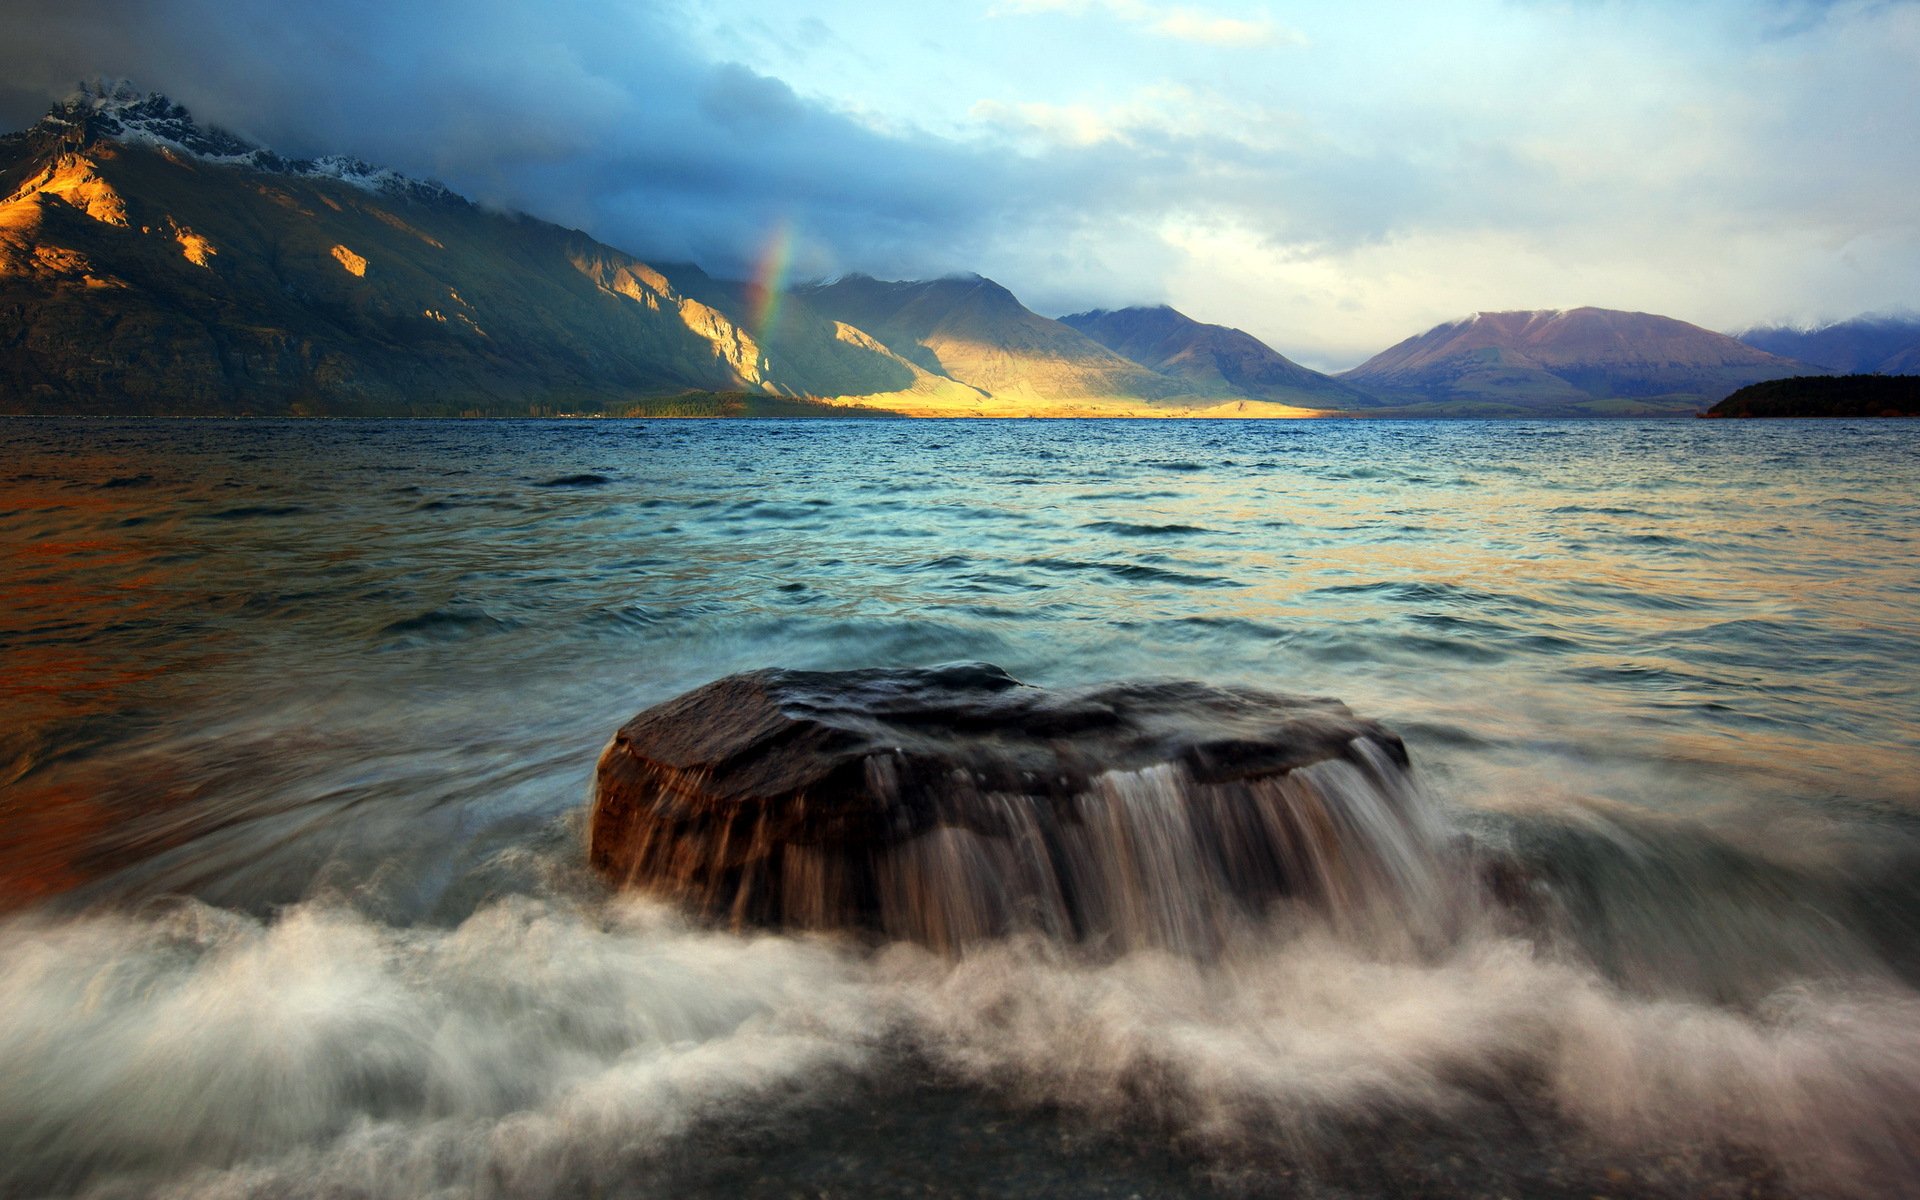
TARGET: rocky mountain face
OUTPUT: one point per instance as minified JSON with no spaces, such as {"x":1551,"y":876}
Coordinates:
{"x":1864,"y":345}
{"x":150,"y":266}
{"x":974,"y":331}
{"x":1586,"y":361}
{"x":1212,"y":358}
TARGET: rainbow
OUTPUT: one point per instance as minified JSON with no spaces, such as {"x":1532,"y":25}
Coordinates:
{"x":770,"y":279}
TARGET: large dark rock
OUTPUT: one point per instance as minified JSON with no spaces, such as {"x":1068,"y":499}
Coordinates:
{"x":955,"y":802}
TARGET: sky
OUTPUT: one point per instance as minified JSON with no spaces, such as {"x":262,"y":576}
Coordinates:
{"x":1330,"y":178}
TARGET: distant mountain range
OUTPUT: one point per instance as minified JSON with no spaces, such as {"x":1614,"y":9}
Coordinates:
{"x":1584,"y":361}
{"x":149,"y":265}
{"x":1213,"y":357}
{"x":972,"y":329}
{"x":1873,"y":345}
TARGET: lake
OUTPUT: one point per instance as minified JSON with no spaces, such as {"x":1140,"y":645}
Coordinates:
{"x":298,"y":721}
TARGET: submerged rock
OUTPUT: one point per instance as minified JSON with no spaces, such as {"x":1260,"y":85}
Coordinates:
{"x":953,"y":803}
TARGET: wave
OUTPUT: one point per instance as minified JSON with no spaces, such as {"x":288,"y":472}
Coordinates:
{"x":251,"y":511}
{"x":1132,"y":572}
{"x":548,"y":1048}
{"x":1129,"y":529}
{"x":445,"y":624}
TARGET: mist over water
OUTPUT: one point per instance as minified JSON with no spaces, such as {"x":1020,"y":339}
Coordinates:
{"x":298,"y":721}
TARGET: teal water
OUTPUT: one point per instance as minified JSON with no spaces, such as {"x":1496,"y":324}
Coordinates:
{"x":298,"y":720}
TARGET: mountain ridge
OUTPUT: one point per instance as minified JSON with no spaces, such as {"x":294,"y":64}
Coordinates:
{"x":1585,"y":361}
{"x":1165,"y":340}
{"x":973,"y":330}
{"x":118,"y":110}
{"x":149,"y":265}
{"x":1885,"y":344}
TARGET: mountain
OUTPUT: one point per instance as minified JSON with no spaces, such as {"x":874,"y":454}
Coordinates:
{"x":1212,"y":358}
{"x":1586,"y":361}
{"x":152,"y":265}
{"x":148,"y":265}
{"x":1871,"y":345}
{"x":974,"y":331}
{"x":816,"y":345}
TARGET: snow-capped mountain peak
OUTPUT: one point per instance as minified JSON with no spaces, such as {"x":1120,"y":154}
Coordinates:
{"x":115,"y":109}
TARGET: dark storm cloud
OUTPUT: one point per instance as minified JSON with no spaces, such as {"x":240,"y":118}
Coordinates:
{"x":592,"y":114}
{"x":602,"y":116}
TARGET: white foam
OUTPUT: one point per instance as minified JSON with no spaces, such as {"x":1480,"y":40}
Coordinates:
{"x":157,"y":1050}
{"x":543,"y":1049}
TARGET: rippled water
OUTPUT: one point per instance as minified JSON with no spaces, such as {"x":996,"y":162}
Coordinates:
{"x":297,"y":720}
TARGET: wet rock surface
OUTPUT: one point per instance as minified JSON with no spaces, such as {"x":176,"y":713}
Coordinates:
{"x":954,"y":802}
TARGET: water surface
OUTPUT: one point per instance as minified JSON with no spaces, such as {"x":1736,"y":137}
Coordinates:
{"x":298,"y":719}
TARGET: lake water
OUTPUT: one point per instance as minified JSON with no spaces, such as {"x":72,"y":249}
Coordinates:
{"x":297,"y":722}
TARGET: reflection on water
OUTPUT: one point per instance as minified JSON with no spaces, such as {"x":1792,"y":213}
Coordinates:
{"x":1661,"y":676}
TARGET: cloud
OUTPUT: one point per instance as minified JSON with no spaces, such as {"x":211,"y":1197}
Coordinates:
{"x":593,"y":114}
{"x":1180,"y":23}
{"x":1150,"y":120}
{"x":1057,"y":124}
{"x":1728,"y":162}
{"x":1193,"y":26}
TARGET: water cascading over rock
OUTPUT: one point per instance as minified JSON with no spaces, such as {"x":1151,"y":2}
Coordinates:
{"x":954,"y":803}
